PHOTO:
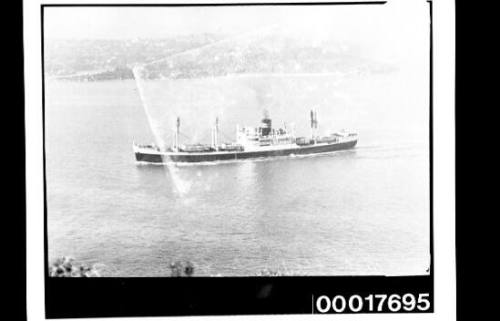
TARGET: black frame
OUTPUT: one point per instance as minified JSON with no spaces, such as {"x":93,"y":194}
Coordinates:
{"x":149,"y":296}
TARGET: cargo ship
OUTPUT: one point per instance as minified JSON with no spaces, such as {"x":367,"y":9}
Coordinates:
{"x":251,"y":142}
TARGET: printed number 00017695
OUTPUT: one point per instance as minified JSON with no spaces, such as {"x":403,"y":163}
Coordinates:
{"x":373,"y":303}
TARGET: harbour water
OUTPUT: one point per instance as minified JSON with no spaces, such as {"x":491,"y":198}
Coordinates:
{"x":358,"y":212}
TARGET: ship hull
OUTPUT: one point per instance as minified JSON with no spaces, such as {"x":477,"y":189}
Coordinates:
{"x":170,"y":157}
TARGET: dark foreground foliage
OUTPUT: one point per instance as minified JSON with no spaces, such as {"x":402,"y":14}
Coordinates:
{"x":67,"y":267}
{"x":277,"y":272}
{"x":181,"y":269}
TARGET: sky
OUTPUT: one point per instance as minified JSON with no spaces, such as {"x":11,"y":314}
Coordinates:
{"x":392,"y":31}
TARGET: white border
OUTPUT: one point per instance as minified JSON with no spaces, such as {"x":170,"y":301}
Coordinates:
{"x":444,"y":168}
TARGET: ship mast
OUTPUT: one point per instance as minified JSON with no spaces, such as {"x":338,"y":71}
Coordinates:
{"x":176,"y":134}
{"x":215,"y":134}
{"x":314,"y":124}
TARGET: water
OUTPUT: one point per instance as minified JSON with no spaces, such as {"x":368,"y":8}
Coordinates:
{"x":358,"y":212}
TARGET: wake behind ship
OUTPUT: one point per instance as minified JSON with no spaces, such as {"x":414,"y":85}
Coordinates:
{"x":251,"y":142}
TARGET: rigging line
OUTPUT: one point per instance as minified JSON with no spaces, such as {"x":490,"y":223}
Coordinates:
{"x":184,"y":135}
{"x":225,"y":136}
{"x":190,"y":137}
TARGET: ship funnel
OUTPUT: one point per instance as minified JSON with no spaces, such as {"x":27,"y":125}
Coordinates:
{"x":266,"y":124}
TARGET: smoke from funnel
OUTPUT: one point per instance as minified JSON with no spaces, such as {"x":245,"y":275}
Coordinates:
{"x":263,"y":93}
